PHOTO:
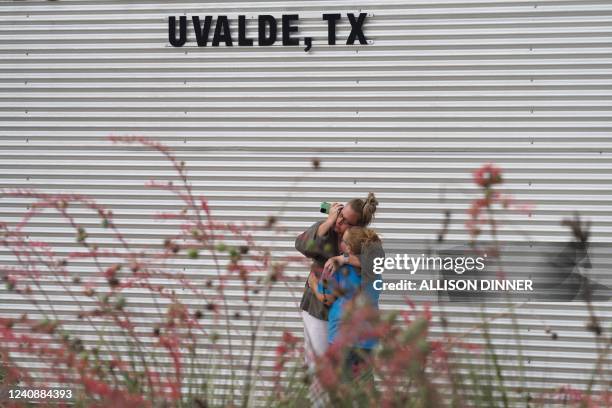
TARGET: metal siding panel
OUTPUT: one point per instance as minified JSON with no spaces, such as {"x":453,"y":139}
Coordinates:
{"x":443,"y":87}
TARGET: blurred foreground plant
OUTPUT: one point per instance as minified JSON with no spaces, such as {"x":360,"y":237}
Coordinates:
{"x":128,"y":365}
{"x":197,"y":337}
{"x":415,"y":369}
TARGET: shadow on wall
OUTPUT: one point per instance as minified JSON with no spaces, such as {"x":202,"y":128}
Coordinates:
{"x":557,"y":271}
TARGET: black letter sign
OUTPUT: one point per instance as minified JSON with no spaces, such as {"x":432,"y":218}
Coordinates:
{"x":242,"y":38}
{"x":356,"y":29}
{"x":270,"y":21}
{"x":331,"y":27}
{"x":222,"y":24}
{"x":288,"y":29}
{"x":201,"y":33}
{"x":267,"y":30}
{"x":172,"y":31}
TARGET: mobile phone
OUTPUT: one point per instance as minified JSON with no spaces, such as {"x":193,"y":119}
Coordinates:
{"x":325,"y":206}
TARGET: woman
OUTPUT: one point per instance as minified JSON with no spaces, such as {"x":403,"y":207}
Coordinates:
{"x":322,"y":243}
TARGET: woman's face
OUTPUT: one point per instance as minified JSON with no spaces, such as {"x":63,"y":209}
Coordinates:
{"x":346,"y":219}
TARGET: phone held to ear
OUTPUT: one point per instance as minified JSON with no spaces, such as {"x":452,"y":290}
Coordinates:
{"x":325,"y":207}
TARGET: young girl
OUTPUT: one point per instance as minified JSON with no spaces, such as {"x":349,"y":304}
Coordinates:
{"x":341,"y":288}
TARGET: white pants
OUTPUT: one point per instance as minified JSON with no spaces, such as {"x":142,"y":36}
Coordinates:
{"x":315,"y":344}
{"x":315,"y":337}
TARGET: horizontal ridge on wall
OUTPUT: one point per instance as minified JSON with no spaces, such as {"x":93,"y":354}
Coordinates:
{"x":441,"y":88}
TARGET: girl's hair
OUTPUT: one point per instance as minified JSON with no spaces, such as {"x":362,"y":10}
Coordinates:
{"x":360,"y":237}
{"x":365,"y":209}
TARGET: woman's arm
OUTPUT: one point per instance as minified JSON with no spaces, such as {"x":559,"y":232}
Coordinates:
{"x":354,"y":260}
{"x":371,"y":252}
{"x":336,"y":262}
{"x":311,"y":245}
{"x":328,"y":224}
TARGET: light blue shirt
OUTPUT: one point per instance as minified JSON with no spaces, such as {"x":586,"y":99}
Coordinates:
{"x":347,"y":281}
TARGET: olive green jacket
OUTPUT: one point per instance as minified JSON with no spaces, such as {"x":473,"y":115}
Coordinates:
{"x":320,"y":249}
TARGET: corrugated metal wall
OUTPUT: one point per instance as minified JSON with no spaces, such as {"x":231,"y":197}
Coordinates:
{"x":443,"y":87}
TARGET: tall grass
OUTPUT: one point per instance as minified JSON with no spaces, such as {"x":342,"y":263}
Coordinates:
{"x":124,"y":360}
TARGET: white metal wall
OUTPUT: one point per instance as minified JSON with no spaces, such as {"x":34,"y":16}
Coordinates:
{"x":444,"y":87}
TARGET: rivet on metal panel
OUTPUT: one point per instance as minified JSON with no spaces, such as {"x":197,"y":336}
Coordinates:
{"x":357,"y":81}
{"x":354,"y":181}
{"x":530,"y":184}
{"x":370,"y":41}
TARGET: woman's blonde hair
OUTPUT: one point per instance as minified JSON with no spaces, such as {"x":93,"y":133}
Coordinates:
{"x":365,"y":209}
{"x":360,"y":237}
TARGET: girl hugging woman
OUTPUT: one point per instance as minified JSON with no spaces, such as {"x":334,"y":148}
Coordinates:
{"x":340,"y":289}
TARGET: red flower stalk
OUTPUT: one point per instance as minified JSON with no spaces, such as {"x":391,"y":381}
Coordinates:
{"x":172,"y":344}
{"x":479,"y":212}
{"x":487,"y":175}
{"x":285,"y":349}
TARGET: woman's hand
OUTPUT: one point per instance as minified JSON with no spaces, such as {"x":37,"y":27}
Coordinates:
{"x":332,"y":266}
{"x":334,"y":211}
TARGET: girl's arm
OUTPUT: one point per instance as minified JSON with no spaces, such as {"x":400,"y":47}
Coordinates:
{"x":326,"y":299}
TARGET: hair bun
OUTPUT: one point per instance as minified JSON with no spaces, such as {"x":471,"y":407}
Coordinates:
{"x":369,"y":208}
{"x":371,"y":201}
{"x":365,"y":208}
